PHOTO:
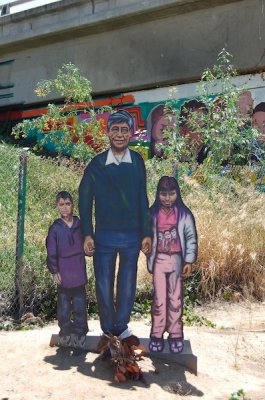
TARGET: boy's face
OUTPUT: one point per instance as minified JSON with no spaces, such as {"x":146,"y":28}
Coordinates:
{"x":167,"y":198}
{"x":65,"y":207}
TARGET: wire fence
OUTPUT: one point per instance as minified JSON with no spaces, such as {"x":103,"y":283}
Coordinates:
{"x":9,"y":165}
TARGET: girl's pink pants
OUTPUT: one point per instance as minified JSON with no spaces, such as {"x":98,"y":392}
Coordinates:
{"x":167,"y":306}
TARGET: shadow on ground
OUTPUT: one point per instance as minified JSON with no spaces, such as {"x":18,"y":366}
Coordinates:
{"x":167,"y":374}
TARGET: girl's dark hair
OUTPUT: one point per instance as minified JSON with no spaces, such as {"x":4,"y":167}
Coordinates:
{"x":64,"y":195}
{"x":167,"y":184}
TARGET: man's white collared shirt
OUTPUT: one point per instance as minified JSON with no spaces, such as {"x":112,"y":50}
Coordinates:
{"x":111,"y":159}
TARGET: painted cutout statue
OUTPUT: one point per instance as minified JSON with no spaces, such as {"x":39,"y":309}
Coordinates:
{"x":115,"y":181}
{"x":66,"y":262}
{"x":174,"y":250}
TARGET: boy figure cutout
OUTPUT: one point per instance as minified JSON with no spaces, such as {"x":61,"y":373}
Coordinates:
{"x":66,"y":262}
{"x":170,"y":263}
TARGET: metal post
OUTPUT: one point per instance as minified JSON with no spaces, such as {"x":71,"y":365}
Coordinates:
{"x":20,"y":231}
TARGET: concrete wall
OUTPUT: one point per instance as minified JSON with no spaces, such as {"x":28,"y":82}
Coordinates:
{"x":123,"y":45}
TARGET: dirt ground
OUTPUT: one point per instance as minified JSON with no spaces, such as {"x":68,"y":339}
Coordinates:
{"x":230,"y":356}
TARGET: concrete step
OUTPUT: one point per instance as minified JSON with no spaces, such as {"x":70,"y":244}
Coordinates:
{"x":186,"y":358}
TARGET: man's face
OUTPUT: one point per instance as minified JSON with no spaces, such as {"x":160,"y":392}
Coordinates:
{"x":258,"y":120}
{"x":119,"y":136}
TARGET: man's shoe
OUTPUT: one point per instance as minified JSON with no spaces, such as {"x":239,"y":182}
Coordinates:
{"x":131,"y":340}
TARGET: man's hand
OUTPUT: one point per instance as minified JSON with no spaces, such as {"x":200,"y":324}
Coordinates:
{"x":89,"y":247}
{"x":57,"y":278}
{"x":186,"y":270}
{"x":146,"y":245}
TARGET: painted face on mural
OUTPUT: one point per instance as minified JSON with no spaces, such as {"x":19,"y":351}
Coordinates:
{"x":160,"y":124}
{"x":157,"y":134}
{"x":167,"y":199}
{"x":119,"y":136}
{"x":258,"y":120}
{"x":245,"y":103}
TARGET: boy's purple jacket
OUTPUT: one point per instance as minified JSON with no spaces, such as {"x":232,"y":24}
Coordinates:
{"x":65,"y":253}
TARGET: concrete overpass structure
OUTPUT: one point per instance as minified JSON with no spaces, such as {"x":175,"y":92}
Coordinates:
{"x":123,"y":45}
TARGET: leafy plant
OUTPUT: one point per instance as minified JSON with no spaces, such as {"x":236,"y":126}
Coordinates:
{"x":58,"y":127}
{"x":215,"y":128}
{"x":239,"y":395}
{"x":228,"y":133}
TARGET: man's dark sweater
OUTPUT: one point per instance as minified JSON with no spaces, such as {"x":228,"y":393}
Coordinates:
{"x":119,"y":192}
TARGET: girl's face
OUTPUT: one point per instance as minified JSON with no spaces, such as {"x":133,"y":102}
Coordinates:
{"x":167,"y":199}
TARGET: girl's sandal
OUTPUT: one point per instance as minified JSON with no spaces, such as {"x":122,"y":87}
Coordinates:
{"x":156,"y":345}
{"x":175,"y":345}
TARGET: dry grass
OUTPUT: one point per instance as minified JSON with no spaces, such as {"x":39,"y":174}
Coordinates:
{"x":231,"y":231}
{"x":229,"y":214}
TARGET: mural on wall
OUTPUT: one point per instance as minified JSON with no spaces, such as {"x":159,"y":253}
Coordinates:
{"x":147,"y":110}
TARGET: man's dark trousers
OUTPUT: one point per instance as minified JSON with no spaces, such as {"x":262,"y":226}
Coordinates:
{"x":115,"y":316}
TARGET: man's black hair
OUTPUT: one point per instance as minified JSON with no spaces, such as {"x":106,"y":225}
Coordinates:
{"x":64,"y":195}
{"x":121,"y":116}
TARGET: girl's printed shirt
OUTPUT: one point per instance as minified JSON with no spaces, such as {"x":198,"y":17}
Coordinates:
{"x":168,"y":241}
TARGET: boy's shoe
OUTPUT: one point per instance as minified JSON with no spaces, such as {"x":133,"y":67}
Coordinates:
{"x":79,"y":341}
{"x":64,"y":341}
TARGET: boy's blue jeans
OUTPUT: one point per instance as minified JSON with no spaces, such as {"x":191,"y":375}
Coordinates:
{"x":115,"y":315}
{"x":72,"y":300}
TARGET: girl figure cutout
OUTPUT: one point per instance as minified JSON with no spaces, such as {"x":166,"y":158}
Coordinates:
{"x":170,"y":261}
